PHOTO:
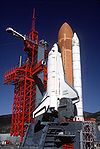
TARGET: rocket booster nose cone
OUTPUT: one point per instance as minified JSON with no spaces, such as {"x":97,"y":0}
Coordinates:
{"x":65,"y":29}
{"x":75,"y":39}
{"x":64,"y":36}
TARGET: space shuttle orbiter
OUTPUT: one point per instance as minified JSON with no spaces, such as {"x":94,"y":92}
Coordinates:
{"x":57,"y":87}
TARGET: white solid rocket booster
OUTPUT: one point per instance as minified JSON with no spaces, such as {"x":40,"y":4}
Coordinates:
{"x":77,"y":82}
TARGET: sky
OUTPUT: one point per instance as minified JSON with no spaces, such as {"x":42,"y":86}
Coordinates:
{"x":84,"y":19}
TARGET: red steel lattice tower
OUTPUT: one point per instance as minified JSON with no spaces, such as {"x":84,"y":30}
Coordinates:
{"x":23,"y":78}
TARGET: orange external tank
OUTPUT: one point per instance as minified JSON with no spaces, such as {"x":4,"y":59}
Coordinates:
{"x":65,"y":43}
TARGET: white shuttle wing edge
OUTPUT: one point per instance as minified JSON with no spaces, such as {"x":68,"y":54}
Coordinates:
{"x":70,"y":92}
{"x":42,"y":107}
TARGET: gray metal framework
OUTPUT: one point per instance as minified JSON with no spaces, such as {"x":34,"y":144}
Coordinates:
{"x":89,"y":134}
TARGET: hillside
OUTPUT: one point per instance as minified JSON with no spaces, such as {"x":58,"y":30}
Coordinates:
{"x":5,"y":120}
{"x":95,"y":115}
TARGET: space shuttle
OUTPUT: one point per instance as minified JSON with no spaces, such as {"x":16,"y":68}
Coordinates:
{"x":57,"y":87}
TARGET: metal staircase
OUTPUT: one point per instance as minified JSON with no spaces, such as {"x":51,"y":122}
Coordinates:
{"x":50,"y":136}
{"x":51,"y":139}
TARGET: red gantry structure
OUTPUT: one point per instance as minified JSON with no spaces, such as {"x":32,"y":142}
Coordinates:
{"x":25,"y":78}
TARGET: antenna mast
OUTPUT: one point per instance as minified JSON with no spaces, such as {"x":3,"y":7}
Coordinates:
{"x":33,"y":20}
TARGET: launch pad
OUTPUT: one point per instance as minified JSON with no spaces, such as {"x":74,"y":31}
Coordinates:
{"x":47,"y":110}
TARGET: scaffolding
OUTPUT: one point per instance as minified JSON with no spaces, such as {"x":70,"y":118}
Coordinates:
{"x":89,"y":133}
{"x":24,"y":80}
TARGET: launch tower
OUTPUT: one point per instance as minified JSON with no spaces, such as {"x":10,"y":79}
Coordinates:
{"x":25,"y":79}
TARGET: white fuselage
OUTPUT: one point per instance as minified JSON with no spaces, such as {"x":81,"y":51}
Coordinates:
{"x":57,"y":87}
